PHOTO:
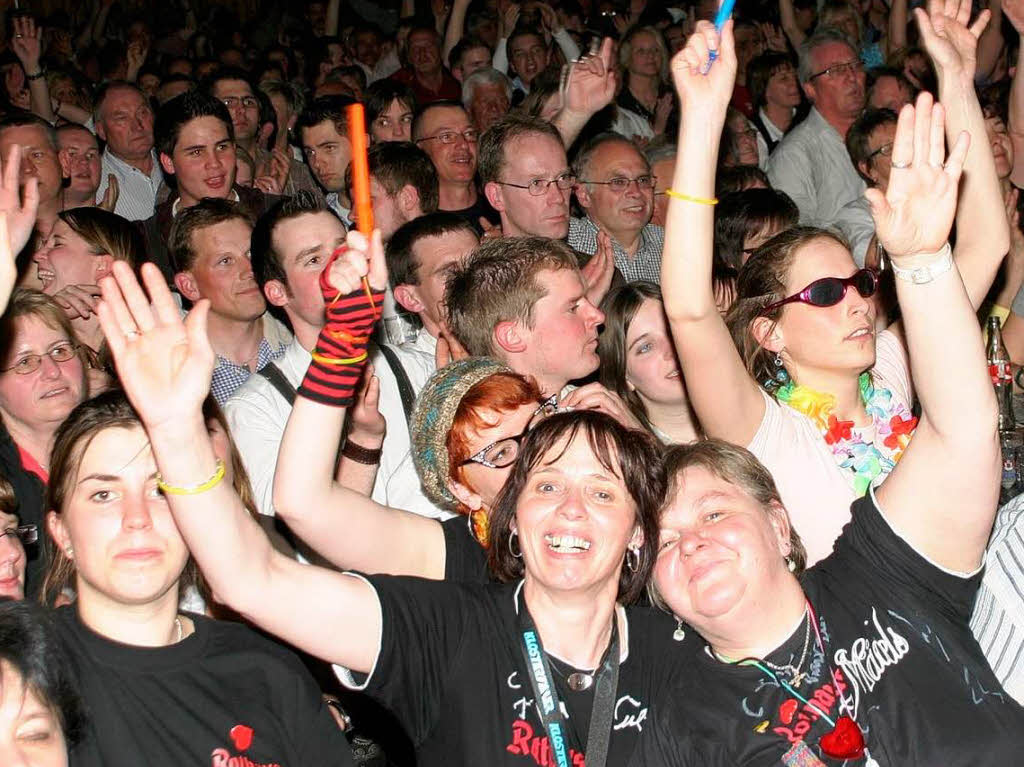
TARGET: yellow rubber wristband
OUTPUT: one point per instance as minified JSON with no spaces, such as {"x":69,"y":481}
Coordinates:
{"x":689,"y":198}
{"x":212,"y":482}
{"x":337,"y":360}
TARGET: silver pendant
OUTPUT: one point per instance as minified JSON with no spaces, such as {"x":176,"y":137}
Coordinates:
{"x":579,"y":681}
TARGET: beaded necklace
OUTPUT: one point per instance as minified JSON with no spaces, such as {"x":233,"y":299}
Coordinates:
{"x":892,"y":420}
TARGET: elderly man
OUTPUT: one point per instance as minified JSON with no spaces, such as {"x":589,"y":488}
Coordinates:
{"x":124,"y":120}
{"x":811,"y":164}
{"x":486,"y":95}
{"x":429,"y":80}
{"x":615,"y":188}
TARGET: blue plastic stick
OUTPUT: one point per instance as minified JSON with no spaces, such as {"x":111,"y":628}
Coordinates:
{"x":724,"y":12}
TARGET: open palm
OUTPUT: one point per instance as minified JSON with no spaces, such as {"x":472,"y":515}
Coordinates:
{"x":700,"y":82}
{"x":164,"y":364}
{"x":950,"y":42}
{"x":915,"y":213}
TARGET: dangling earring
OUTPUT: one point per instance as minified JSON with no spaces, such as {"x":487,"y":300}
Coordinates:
{"x":633,"y":564}
{"x":680,"y":633}
{"x":781,"y":377}
{"x":790,"y":564}
{"x":514,"y":536}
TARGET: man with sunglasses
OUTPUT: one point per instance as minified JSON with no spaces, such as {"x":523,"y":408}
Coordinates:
{"x":811,"y":164}
{"x":615,"y":188}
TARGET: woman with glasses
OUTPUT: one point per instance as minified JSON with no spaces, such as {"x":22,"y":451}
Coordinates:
{"x":458,"y":663}
{"x":804,"y":380}
{"x":42,"y":379}
{"x":867,"y":657}
{"x":466,"y":430}
{"x":13,"y":539}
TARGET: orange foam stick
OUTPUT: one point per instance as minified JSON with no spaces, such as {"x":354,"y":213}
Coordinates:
{"x":360,"y":169}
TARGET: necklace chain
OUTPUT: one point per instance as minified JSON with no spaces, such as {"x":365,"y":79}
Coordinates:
{"x":795,"y":669}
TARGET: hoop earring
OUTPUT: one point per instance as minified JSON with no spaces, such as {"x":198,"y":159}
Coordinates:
{"x":515,"y":535}
{"x":633,"y":564}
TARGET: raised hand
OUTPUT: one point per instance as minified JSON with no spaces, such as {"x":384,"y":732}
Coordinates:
{"x":591,"y":82}
{"x":448,"y":349}
{"x":915,"y":213}
{"x":950,"y":42}
{"x":366,"y":425}
{"x":14,"y":84}
{"x":361,"y":258}
{"x":25,"y":43}
{"x":164,"y":364}
{"x":774,"y":37}
{"x":599,"y":270}
{"x":8,"y":265}
{"x":508,"y":18}
{"x":113,"y":191}
{"x":594,"y":396}
{"x":548,"y":18}
{"x":491,"y":231}
{"x":701,"y":84}
{"x":19,"y":205}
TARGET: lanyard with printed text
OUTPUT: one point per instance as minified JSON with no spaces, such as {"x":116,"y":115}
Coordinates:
{"x":606,"y":682}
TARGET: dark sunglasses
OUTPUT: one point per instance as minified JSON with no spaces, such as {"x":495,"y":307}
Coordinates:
{"x":829,"y":291}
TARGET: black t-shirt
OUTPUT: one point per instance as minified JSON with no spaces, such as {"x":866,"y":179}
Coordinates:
{"x":479,"y":209}
{"x":465,"y":560}
{"x":895,"y":629}
{"x":451,"y":669}
{"x":223,"y":696}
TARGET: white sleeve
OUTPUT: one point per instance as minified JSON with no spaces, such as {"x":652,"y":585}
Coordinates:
{"x":257,"y":426}
{"x":570,"y":50}
{"x":500,"y":59}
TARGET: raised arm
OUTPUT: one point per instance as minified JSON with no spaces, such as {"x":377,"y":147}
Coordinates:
{"x":991,"y":43}
{"x":454,"y":27}
{"x":942,"y":495}
{"x":588,"y":87}
{"x":982,"y":236}
{"x":26,"y":46}
{"x":1014,"y":11}
{"x":896,"y":40}
{"x":17,"y":217}
{"x":787,"y":17}
{"x":727,"y":401}
{"x":165,"y":366}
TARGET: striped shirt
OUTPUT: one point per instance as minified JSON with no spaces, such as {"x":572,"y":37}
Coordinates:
{"x":998,"y":620}
{"x":645,"y":264}
{"x":136,"y":197}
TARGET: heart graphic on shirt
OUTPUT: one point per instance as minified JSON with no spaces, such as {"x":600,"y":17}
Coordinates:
{"x":787,"y":711}
{"x":242,"y":736}
{"x":846,"y":741}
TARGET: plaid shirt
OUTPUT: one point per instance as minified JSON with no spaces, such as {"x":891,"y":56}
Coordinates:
{"x":228,"y":375}
{"x":645,"y":265}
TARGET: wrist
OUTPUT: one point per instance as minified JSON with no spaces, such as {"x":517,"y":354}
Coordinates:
{"x":368,"y":439}
{"x":921,"y":268}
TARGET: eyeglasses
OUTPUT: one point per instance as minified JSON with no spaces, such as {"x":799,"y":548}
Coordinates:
{"x":836,"y":71}
{"x":539,"y":186}
{"x":25,"y":533}
{"x":30,"y":362}
{"x":885,"y":150}
{"x":620,"y":184}
{"x":246,"y":102}
{"x":829,"y":291}
{"x":504,"y":452}
{"x":450,"y":136}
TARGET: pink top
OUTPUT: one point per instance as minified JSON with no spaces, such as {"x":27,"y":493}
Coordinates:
{"x":815,"y":491}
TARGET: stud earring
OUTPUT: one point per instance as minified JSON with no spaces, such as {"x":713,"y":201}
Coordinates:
{"x":790,"y":564}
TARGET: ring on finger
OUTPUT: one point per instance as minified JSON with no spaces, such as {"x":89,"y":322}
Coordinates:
{"x":900,"y":165}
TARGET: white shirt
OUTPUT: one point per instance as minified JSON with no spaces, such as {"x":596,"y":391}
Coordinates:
{"x":398,"y":484}
{"x":854,"y":222}
{"x":562,"y":38}
{"x":136,"y":199}
{"x":812,"y":166}
{"x":258,"y":415}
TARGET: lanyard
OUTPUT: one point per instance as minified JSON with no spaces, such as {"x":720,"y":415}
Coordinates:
{"x":606,"y":682}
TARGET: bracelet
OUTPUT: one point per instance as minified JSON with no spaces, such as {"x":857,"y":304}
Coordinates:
{"x":212,"y":482}
{"x":931,"y":266}
{"x":360,"y":454}
{"x":37,"y":75}
{"x":337,"y":360}
{"x":689,"y":198}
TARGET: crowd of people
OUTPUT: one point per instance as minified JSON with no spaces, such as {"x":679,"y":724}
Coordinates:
{"x":648,"y":422}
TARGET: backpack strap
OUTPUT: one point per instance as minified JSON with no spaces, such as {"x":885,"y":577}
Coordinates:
{"x":277,"y":379}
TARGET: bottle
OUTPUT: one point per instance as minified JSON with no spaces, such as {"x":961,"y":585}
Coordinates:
{"x":1009,"y":440}
{"x":999,"y":370}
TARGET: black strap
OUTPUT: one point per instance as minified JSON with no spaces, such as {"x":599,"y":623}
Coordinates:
{"x":548,"y":704}
{"x":277,"y":379}
{"x":405,"y":390}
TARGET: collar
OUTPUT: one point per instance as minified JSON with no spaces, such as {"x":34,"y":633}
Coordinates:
{"x":174,"y":205}
{"x":113,"y":159}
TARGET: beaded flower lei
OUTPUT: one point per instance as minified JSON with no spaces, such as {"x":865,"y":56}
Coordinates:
{"x":894,"y":426}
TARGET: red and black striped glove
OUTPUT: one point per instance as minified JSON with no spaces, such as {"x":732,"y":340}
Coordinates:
{"x":340,"y":353}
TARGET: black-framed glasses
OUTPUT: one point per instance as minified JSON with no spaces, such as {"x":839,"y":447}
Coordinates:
{"x":246,"y":102}
{"x":620,"y":184}
{"x":829,"y":291}
{"x":30,"y":363}
{"x":25,"y":533}
{"x":503,"y":452}
{"x":451,"y":136}
{"x":836,"y":71}
{"x":885,"y":150}
{"x":540,"y":186}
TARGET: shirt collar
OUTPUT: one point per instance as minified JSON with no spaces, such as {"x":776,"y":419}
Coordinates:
{"x":174,"y":205}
